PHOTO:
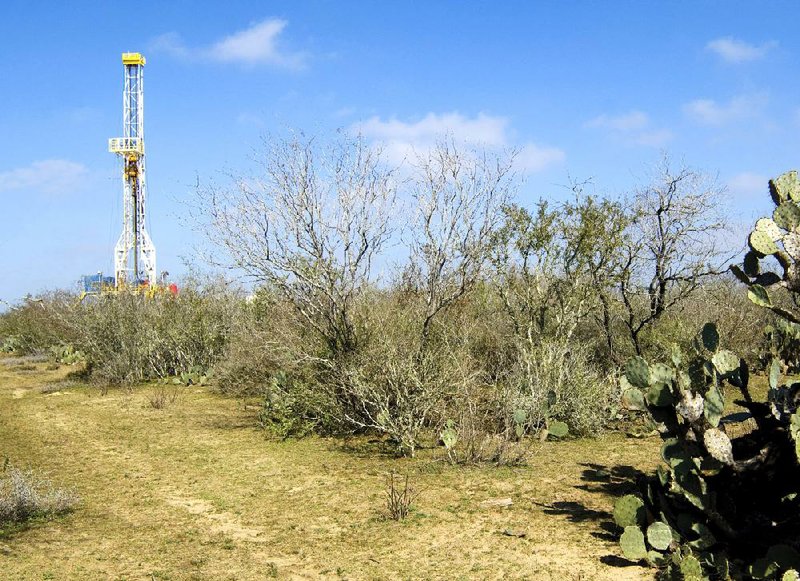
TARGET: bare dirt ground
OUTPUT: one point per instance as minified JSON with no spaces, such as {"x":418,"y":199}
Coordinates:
{"x":196,"y":491}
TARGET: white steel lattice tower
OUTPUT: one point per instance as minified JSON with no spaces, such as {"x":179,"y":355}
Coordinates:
{"x":134,"y":254}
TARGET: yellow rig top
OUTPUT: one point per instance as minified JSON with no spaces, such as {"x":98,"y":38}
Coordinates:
{"x":132,"y":58}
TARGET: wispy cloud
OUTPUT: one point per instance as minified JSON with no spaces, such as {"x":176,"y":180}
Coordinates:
{"x":633,"y":121}
{"x":50,"y":176}
{"x":634,"y":128}
{"x":256,"y":45}
{"x":402,"y":140}
{"x":747,"y":185}
{"x":736,"y":51}
{"x":249,"y":119}
{"x":711,"y":112}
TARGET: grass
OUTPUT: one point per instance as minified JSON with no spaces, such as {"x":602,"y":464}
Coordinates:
{"x":195,"y":491}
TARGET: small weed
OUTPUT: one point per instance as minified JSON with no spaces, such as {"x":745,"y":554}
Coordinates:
{"x":24,"y":368}
{"x":198,"y":561}
{"x":58,"y":386}
{"x":162,"y":396}
{"x":399,"y":496}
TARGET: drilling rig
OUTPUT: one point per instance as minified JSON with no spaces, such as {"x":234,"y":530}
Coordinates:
{"x":134,"y":253}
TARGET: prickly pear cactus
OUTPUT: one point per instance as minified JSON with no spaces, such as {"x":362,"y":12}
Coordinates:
{"x":725,"y":507}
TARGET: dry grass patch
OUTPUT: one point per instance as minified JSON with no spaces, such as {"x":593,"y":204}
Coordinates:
{"x":196,"y":492}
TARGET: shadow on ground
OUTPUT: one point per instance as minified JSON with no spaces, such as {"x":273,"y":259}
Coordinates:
{"x":614,"y":481}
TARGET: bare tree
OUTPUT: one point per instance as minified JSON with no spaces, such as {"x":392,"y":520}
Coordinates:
{"x":459,"y":196}
{"x":673,"y":245}
{"x":310,"y":226}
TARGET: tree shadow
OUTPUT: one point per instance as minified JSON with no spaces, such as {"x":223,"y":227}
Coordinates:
{"x":574,"y":511}
{"x":611,"y":481}
{"x":366,"y":447}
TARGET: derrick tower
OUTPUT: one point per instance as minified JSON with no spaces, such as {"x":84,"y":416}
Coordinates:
{"x":134,"y":254}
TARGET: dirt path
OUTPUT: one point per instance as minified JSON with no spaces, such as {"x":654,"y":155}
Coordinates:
{"x":195,"y":492}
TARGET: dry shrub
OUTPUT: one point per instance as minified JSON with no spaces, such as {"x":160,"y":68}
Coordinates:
{"x":36,"y":324}
{"x":722,"y":302}
{"x":162,"y":396}
{"x":25,"y":495}
{"x":266,"y":339}
{"x":400,"y":496}
{"x":556,"y":381}
{"x":128,"y":338}
{"x":395,"y":384}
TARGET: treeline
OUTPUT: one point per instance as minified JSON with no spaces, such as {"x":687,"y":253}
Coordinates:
{"x":419,"y":300}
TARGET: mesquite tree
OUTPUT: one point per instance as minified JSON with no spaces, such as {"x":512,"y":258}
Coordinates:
{"x":672,"y":246}
{"x":310,"y":226}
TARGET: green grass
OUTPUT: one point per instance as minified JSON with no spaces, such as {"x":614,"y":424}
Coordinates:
{"x":195,"y":491}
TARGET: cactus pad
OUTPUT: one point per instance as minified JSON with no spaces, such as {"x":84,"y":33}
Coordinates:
{"x":714,"y":405}
{"x":690,"y":406}
{"x":659,"y":535}
{"x":774,"y":373}
{"x":784,"y":187}
{"x":705,"y":538}
{"x":638,"y":372}
{"x":762,"y":243}
{"x":557,"y":429}
{"x":759,"y":295}
{"x":710,"y":336}
{"x":787,"y":216}
{"x":785,"y":556}
{"x":660,"y":394}
{"x":632,"y":543}
{"x":633,"y":400}
{"x":791,"y":244}
{"x":770,"y":228}
{"x":726,"y":362}
{"x":629,"y":511}
{"x":718,"y":445}
{"x":690,"y":568}
{"x":660,"y":373}
{"x":751,"y":265}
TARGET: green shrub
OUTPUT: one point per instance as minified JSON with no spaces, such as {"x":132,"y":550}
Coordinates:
{"x":34,"y":326}
{"x":554,"y":381}
{"x":128,"y":338}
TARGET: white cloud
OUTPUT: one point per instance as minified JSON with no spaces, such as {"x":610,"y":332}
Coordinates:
{"x":736,"y":51}
{"x":250,"y":119}
{"x":634,"y":127}
{"x":533,"y":158}
{"x":633,"y":121}
{"x":710,"y":112}
{"x":170,"y":43}
{"x":403,"y":140}
{"x":748,"y":185}
{"x":653,"y":138}
{"x":51,"y":176}
{"x":256,"y":45}
{"x":483,"y":128}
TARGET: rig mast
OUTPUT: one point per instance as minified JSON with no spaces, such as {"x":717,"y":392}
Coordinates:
{"x":134,"y":254}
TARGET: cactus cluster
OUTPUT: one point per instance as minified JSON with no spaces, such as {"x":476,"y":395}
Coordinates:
{"x":195,"y":376}
{"x":777,"y":237}
{"x":724,"y":507}
{"x":66,"y":354}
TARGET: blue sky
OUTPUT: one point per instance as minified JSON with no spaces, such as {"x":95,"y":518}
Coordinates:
{"x":583,"y":89}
